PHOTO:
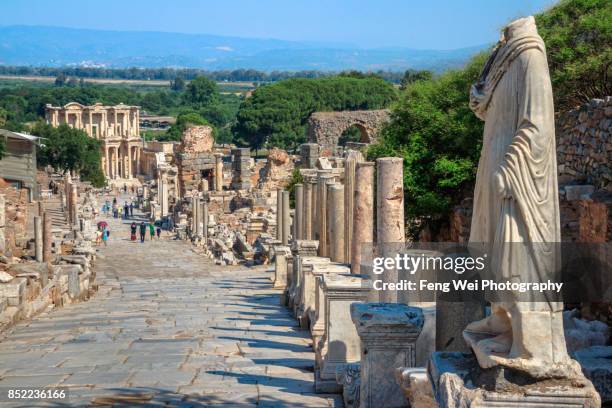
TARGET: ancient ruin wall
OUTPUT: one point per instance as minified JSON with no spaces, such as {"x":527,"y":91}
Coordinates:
{"x":325,"y":128}
{"x":584,"y":148}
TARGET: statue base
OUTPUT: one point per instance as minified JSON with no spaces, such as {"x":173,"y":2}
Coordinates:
{"x":458,"y":381}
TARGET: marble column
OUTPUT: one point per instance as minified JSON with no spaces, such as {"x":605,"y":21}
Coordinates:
{"x":116,"y":163}
{"x":204,"y":205}
{"x":218,"y":172}
{"x":74,"y":196}
{"x":314,"y":210}
{"x":363,"y":214}
{"x":38,"y":238}
{"x":389,"y":216}
{"x":129,"y":162}
{"x":307,"y":211}
{"x":335,"y":219}
{"x":299,"y":212}
{"x":279,"y":214}
{"x":197,"y":216}
{"x":322,"y":212}
{"x":349,"y":197}
{"x":164,"y":197}
{"x":286,"y":219}
{"x":47,"y":237}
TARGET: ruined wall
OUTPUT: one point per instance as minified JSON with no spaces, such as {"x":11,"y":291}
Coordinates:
{"x":14,"y":221}
{"x":325,"y":128}
{"x":277,"y":171}
{"x":584,"y":148}
{"x":194,"y":155}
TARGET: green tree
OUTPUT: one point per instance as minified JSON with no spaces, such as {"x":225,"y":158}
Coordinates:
{"x":578,"y":37}
{"x":178,"y":84}
{"x":277,"y":114}
{"x":411,"y":76}
{"x":201,"y":91}
{"x":60,"y":79}
{"x":434,"y":130}
{"x":66,"y":148}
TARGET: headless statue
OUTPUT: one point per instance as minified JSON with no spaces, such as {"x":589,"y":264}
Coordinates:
{"x":516,"y":206}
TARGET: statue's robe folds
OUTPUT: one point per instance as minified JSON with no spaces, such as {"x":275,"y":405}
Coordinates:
{"x":516,"y":195}
{"x":516,"y":207}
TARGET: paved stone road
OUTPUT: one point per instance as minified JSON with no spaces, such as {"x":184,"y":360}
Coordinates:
{"x":166,"y":328}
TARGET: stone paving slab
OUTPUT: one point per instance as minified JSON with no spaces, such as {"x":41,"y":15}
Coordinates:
{"x":167,"y":328}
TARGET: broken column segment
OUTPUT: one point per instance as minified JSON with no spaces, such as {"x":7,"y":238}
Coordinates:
{"x":38,"y":239}
{"x":218,"y":172}
{"x":335,"y":193}
{"x":299,"y":212}
{"x":352,"y":158}
{"x":389,"y":216}
{"x":47,"y":237}
{"x":241,"y":168}
{"x":286,"y":223}
{"x":324,"y":177}
{"x":279,"y":214}
{"x":309,"y":154}
{"x":363,"y":214}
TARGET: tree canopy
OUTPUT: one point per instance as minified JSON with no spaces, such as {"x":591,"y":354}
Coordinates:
{"x":276,"y":115}
{"x":66,"y":148}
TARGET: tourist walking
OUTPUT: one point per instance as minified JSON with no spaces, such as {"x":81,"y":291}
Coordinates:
{"x":105,"y":235}
{"x":131,"y":208}
{"x":133,"y":231}
{"x":158,"y":231}
{"x":143,"y":231}
{"x":152,"y":230}
{"x":126,"y":210}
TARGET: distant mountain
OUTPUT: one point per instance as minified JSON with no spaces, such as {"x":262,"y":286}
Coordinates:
{"x":57,"y":46}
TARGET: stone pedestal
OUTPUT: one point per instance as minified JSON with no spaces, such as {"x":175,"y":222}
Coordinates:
{"x":363,"y":215}
{"x":280,"y":267}
{"x":388,"y":333}
{"x":299,"y":250}
{"x":390,"y":234}
{"x":458,"y":381}
{"x":305,"y":298}
{"x":38,"y":239}
{"x":341,"y":341}
{"x":316,"y":315}
{"x":335,"y":219}
{"x":241,"y":173}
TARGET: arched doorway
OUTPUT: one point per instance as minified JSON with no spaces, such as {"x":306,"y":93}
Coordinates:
{"x":355,"y":133}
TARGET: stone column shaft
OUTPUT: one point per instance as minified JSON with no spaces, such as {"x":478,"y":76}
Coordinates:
{"x":335,"y":203}
{"x":279,"y":214}
{"x":205,"y":219}
{"x":286,"y":218}
{"x":307,"y":212}
{"x":218,"y":173}
{"x":38,"y":238}
{"x":74,"y":196}
{"x":363,"y":214}
{"x":197,"y":221}
{"x":349,"y":196}
{"x":299,"y":212}
{"x":389,"y":216}
{"x":322,"y":213}
{"x":47,"y":237}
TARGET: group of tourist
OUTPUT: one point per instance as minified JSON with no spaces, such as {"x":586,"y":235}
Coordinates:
{"x":142,"y":227}
{"x":124,"y":211}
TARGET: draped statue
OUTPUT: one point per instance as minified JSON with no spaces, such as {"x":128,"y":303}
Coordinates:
{"x":516,"y":206}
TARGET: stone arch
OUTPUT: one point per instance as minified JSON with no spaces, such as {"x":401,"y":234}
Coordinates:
{"x":325,"y":128}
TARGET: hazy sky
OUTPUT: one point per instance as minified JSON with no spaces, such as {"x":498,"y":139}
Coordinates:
{"x":435,"y":24}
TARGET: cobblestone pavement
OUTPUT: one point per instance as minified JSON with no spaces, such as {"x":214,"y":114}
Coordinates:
{"x":167,"y":328}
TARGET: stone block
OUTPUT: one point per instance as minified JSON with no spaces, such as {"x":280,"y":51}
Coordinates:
{"x":416,"y":386}
{"x":388,"y":334}
{"x":14,"y":291}
{"x":341,"y":344}
{"x":458,"y":381}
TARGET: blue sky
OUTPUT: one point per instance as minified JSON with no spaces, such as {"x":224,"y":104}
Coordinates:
{"x":429,"y":24}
